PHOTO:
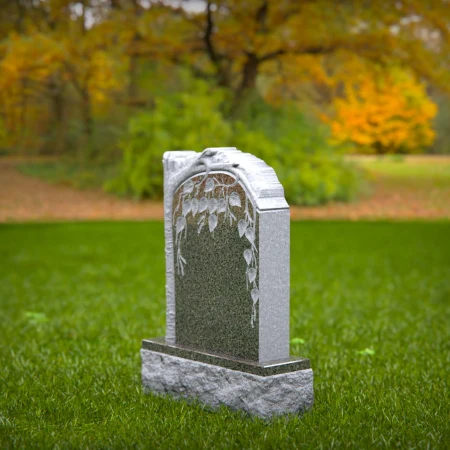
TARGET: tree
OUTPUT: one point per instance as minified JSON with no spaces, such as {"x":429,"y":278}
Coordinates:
{"x":27,"y":64}
{"x":385,"y":113}
{"x":280,"y":50}
{"x":57,"y":52}
{"x":235,"y":41}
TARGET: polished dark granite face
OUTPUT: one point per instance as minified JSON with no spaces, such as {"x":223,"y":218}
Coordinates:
{"x":273,"y":368}
{"x":216,"y":267}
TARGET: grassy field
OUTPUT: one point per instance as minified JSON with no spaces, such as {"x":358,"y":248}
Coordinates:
{"x":370,"y":300}
{"x":423,"y":169}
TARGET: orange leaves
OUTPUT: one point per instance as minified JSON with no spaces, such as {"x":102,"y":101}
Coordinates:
{"x":385,"y":112}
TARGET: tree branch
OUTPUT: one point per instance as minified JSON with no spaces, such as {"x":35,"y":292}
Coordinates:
{"x":271,"y":55}
{"x":261,"y":16}
{"x":207,"y":37}
{"x":313,"y":50}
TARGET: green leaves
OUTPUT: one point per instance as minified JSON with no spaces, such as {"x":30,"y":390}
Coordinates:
{"x":190,"y":120}
{"x":310,"y":169}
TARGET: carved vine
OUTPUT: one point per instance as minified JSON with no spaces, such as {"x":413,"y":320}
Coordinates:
{"x":210,"y":202}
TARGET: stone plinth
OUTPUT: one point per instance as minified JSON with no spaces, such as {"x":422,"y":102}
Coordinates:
{"x":215,"y":386}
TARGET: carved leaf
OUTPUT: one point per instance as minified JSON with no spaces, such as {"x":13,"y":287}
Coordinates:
{"x":194,"y":206}
{"x":235,"y":200}
{"x":251,"y":274}
{"x":212,"y":221}
{"x":201,"y":224}
{"x":209,"y":185}
{"x":188,"y":187}
{"x":213,"y":203}
{"x":186,"y":207}
{"x":250,"y":234}
{"x":202,"y":204}
{"x":181,"y":224}
{"x":255,"y":295}
{"x":222,"y":205}
{"x":248,"y":255}
{"x":242,"y":226}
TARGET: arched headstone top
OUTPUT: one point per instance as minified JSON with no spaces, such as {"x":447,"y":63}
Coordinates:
{"x":258,"y":178}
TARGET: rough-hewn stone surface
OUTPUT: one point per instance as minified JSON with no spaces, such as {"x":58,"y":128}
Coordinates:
{"x":215,"y":386}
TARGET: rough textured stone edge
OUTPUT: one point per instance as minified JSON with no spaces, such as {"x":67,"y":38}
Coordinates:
{"x":215,"y":386}
{"x":263,"y":370}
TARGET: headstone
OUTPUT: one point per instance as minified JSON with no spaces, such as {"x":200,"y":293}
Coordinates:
{"x":227,"y":275}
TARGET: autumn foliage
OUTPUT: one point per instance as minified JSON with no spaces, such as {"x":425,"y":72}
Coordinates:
{"x":71,"y":69}
{"x":385,"y":113}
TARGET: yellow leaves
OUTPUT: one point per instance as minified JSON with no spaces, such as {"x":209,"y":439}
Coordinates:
{"x":291,"y":73}
{"x":388,"y":111}
{"x":27,"y":63}
{"x":36,"y":67}
{"x":28,"y":57}
{"x":102,"y":77}
{"x":33,"y":59}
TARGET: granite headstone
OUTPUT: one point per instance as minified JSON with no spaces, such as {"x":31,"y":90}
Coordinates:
{"x":227,"y":275}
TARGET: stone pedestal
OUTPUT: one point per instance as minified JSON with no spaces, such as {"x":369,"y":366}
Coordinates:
{"x":214,"y":386}
{"x":263,"y":390}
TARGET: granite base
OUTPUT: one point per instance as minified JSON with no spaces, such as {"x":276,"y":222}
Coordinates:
{"x":214,"y":386}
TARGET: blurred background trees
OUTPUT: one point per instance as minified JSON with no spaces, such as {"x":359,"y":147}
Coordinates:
{"x":299,"y":83}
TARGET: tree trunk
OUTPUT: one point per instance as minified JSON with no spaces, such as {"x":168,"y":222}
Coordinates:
{"x":58,"y":122}
{"x":248,"y":83}
{"x":224,"y":78}
{"x":133,"y":68}
{"x":87,"y":148}
{"x":132,"y":79}
{"x":249,"y":73}
{"x":23,"y":144}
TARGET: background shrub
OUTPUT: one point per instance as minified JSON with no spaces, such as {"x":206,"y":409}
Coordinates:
{"x":311,"y":170}
{"x":176,"y":122}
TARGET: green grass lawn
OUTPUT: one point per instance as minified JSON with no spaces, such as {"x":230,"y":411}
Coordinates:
{"x":370,"y":300}
{"x":409,"y":169}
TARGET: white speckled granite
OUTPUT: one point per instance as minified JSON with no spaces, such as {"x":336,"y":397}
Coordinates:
{"x":214,"y":386}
